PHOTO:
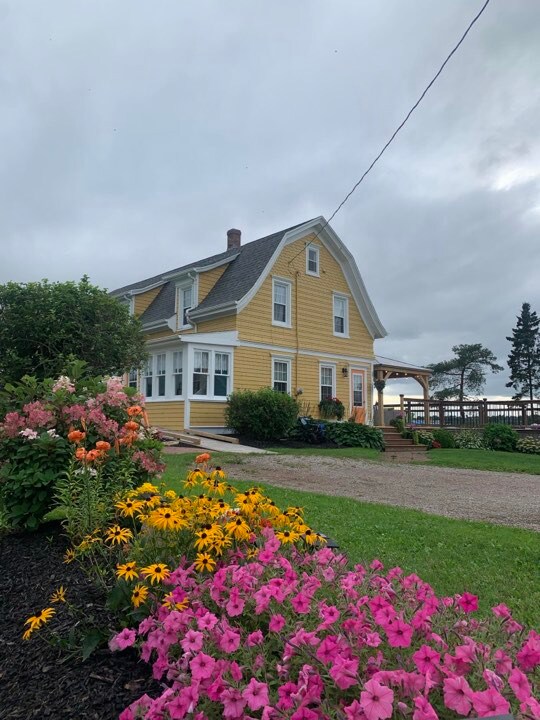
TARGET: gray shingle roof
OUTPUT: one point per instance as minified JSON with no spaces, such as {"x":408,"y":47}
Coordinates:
{"x":239,"y":277}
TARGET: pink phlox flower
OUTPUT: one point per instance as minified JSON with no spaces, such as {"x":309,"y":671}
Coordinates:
{"x":457,"y":695}
{"x":467,"y":602}
{"x":426,"y":659}
{"x":235,"y":606}
{"x":254,"y":638}
{"x":229,"y":641}
{"x":376,"y":701}
{"x":344,"y":672}
{"x":399,"y":633}
{"x":202,"y":666}
{"x":123,"y":640}
{"x":37,"y":415}
{"x":492,"y":679}
{"x":256,"y":694}
{"x":192,"y":641}
{"x":520,"y":685}
{"x":276,"y":623}
{"x":502,"y":611}
{"x":285,"y":693}
{"x":490,"y":702}
{"x":301,"y":603}
{"x":233,"y":704}
{"x":423,"y":709}
{"x":29,"y":434}
{"x":354,"y":711}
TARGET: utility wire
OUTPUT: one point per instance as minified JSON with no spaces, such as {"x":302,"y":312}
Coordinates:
{"x":401,"y":125}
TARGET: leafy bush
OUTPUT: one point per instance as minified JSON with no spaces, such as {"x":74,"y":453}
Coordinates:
{"x":309,"y":431}
{"x":349,"y":434}
{"x":331,"y":408}
{"x":263,"y":414}
{"x":469,"y":440}
{"x":445,"y":438}
{"x":103,"y":419}
{"x":528,"y":445}
{"x":425,"y":437}
{"x":500,"y":437}
{"x":398,"y":422}
{"x":301,"y":636}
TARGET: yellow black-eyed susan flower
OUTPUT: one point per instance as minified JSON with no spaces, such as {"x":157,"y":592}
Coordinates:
{"x":40,"y":618}
{"x":139,"y":595}
{"x":59,"y":596}
{"x":156,"y":572}
{"x":128,"y":571}
{"x":204,"y":561}
{"x":117,"y":535}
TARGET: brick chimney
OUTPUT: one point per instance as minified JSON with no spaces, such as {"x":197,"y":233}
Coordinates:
{"x":233,"y":239}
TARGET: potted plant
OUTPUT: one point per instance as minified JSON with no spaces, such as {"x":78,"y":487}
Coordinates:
{"x":331,"y":408}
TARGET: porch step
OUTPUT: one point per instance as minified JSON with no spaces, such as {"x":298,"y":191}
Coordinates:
{"x":212,"y":436}
{"x":395,"y":447}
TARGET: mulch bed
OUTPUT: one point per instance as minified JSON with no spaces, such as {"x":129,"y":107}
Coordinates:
{"x":39,"y":680}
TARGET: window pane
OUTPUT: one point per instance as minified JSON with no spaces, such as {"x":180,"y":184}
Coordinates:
{"x":148,"y":387}
{"x":187,"y":303}
{"x":220,"y":385}
{"x":148,"y":368}
{"x":327,"y":376}
{"x":339,"y":306}
{"x":280,"y":293}
{"x":221,"y":365}
{"x":280,"y":313}
{"x":357,"y":390}
{"x":161,"y":385}
{"x":132,"y":379}
{"x":312,"y":260}
{"x":280,"y":387}
{"x":326,"y":392}
{"x":200,"y":384}
{"x":339,"y":325}
{"x":161,"y":364}
{"x":177,"y":362}
{"x":201,"y":361}
{"x":178,"y":384}
{"x":280,"y":371}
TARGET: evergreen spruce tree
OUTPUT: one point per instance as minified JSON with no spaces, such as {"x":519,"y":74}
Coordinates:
{"x":524,"y":358}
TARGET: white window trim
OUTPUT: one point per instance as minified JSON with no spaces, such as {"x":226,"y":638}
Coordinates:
{"x":340,"y":296}
{"x":211,"y":366}
{"x":180,"y":287}
{"x":288,"y":285}
{"x":288,"y":362}
{"x":318,"y":251}
{"x":169,"y":378}
{"x":332,"y":366}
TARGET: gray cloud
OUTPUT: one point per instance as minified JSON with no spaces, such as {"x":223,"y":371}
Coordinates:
{"x":134,"y":135}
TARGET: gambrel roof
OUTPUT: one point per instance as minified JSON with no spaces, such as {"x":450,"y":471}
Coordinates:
{"x":247,"y":267}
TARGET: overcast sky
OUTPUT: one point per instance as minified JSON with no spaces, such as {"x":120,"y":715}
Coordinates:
{"x":134,"y":134}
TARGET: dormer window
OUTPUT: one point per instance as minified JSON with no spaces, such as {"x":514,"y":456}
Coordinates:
{"x":312,"y":260}
{"x":185,"y":301}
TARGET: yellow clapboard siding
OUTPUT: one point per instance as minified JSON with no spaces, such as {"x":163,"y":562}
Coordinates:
{"x":207,"y":414}
{"x":228,"y":322}
{"x":168,"y":415}
{"x":143,"y":301}
{"x":311,"y":305}
{"x":160,"y":334}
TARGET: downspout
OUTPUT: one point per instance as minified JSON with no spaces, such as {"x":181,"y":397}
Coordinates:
{"x":296,"y":331}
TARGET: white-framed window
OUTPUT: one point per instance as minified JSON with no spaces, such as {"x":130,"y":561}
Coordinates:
{"x":201,"y":368}
{"x":185,"y":300}
{"x":161,"y":372}
{"x":358,"y":389}
{"x":341,"y":315}
{"x":178,"y":372}
{"x":221,"y":374}
{"x":312,"y":260}
{"x":133,"y":380}
{"x":281,"y":374}
{"x":327,"y":382}
{"x":281,"y":302}
{"x":148,"y":377}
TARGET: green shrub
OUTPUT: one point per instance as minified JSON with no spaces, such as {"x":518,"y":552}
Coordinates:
{"x":399,"y":423}
{"x":424,"y":437}
{"x":445,"y":438}
{"x":309,"y":431}
{"x":350,"y":434}
{"x":500,"y":437}
{"x":528,"y":445}
{"x":263,"y":414}
{"x":469,"y":440}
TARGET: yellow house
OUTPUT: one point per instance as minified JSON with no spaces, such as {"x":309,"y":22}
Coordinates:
{"x":289,"y":311}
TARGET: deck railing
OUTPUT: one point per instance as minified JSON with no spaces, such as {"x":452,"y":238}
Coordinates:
{"x":467,"y":414}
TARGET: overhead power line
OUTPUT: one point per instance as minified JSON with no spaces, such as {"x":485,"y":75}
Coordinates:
{"x":404,"y":121}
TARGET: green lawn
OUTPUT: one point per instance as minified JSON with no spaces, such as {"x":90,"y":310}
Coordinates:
{"x":486,"y":460}
{"x":499,"y":564}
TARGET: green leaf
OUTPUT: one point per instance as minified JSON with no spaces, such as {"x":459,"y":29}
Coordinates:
{"x":90,"y":641}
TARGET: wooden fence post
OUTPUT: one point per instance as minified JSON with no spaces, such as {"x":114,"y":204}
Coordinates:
{"x":441,"y":413}
{"x":524,"y":413}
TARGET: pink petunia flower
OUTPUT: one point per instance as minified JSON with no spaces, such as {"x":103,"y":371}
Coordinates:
{"x":202,"y":666}
{"x":468,"y":602}
{"x":502,"y":611}
{"x":423,"y":709}
{"x":301,"y":603}
{"x":123,"y":640}
{"x":229,"y":642}
{"x":256,"y":694}
{"x":276,"y":623}
{"x":233,"y":703}
{"x":376,"y":701}
{"x":192,"y":641}
{"x":305,"y":714}
{"x":520,"y":685}
{"x":490,"y":702}
{"x":254,"y":638}
{"x":399,"y":634}
{"x":426,"y":659}
{"x":344,"y":672}
{"x":457,"y":695}
{"x":354,"y":711}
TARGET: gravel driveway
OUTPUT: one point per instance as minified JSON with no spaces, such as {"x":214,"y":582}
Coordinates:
{"x":504,"y":498}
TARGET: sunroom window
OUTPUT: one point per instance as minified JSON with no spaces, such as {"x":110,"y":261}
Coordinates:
{"x":221,"y":374}
{"x":161,"y":373}
{"x":148,"y":379}
{"x":200,"y":372}
{"x":178,"y":366}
